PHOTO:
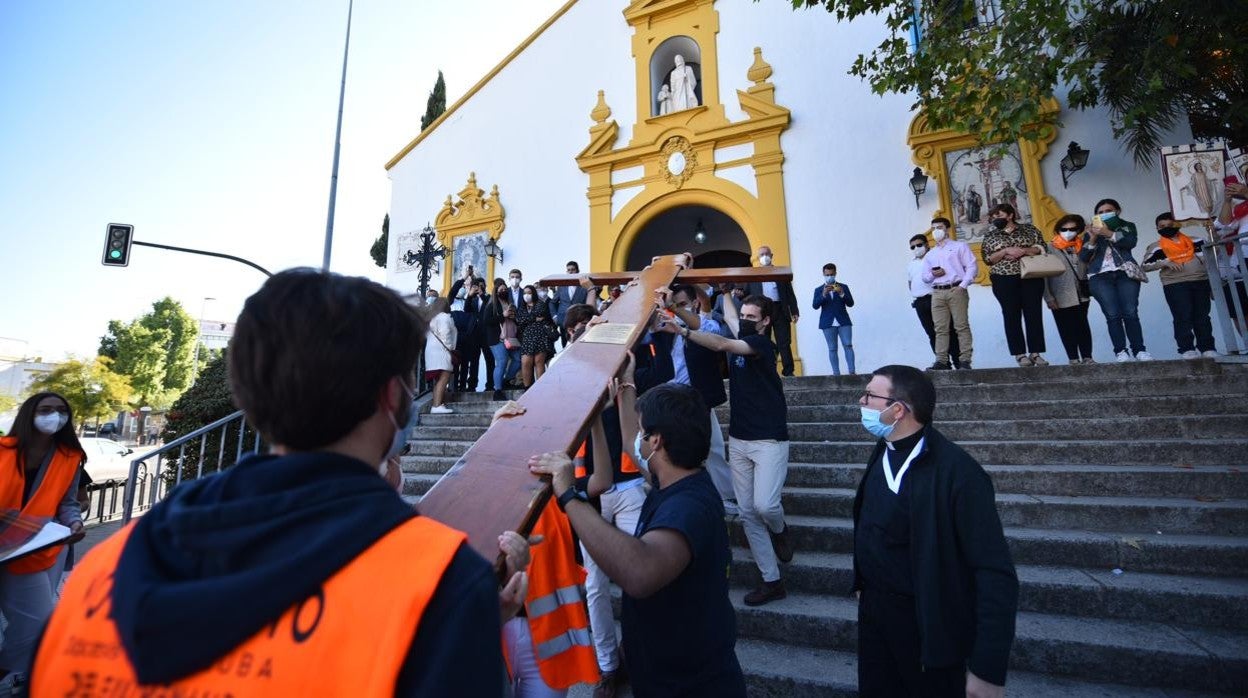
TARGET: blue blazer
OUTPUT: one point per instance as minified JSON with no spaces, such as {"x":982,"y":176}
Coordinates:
{"x":833,"y":307}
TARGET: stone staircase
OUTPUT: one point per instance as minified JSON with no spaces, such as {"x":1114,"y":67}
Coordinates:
{"x":1124,"y":494}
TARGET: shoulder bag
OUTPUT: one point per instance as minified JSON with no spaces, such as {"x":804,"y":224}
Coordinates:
{"x":1041,"y":266}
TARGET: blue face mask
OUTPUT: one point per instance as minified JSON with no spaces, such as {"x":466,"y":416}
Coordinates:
{"x":642,"y":462}
{"x":1108,"y":215}
{"x":871,"y":422}
{"x":400,"y":434}
{"x":830,"y":279}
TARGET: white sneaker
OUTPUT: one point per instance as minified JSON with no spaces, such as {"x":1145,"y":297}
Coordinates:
{"x":441,"y":409}
{"x":1211,"y":354}
{"x":1143,"y":356}
{"x":1190,"y":354}
{"x":1123,"y":357}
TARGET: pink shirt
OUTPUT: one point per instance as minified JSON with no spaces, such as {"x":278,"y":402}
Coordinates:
{"x":956,"y":259}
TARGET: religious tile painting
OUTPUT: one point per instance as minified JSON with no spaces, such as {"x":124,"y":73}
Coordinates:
{"x":980,"y":178}
{"x":405,"y":249}
{"x":469,"y":249}
{"x":1193,"y":180}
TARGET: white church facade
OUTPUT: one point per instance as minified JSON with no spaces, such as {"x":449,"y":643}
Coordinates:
{"x":622,"y":130}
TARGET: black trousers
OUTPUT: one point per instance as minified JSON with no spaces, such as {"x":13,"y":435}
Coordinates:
{"x":489,"y":362}
{"x":923,"y":308}
{"x":1021,"y":303}
{"x":469,"y":362}
{"x":781,"y":332}
{"x":1189,"y":303}
{"x":889,"y":664}
{"x":1076,"y":334}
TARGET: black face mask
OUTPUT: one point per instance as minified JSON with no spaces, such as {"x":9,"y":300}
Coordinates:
{"x":999,"y":223}
{"x":748,"y":327}
{"x":1168,"y":232}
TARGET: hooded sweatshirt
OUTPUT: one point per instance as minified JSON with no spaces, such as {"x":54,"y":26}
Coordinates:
{"x":223,"y":556}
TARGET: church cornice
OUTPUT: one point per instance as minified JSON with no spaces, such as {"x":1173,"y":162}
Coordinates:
{"x":480,"y":84}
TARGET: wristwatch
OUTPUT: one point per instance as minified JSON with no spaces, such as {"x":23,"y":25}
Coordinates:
{"x":570,"y":494}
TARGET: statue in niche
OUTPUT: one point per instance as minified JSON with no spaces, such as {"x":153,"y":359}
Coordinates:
{"x":665,"y":100}
{"x":682,"y":84}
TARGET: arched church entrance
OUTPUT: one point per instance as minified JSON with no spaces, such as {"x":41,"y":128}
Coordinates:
{"x":714,"y":238}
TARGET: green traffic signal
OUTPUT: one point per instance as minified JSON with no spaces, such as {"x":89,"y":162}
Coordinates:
{"x":117,"y":241}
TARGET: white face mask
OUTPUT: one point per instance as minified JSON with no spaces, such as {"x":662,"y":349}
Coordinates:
{"x":542,"y":294}
{"x":939,"y":234}
{"x":515,"y":282}
{"x":528,"y":298}
{"x":1069,"y":235}
{"x":765,"y":260}
{"x":50,"y":423}
{"x":919,"y":252}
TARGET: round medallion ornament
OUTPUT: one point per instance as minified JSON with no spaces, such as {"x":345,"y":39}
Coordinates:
{"x":679,"y":160}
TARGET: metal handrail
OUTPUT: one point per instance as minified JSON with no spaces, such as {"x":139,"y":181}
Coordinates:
{"x":139,"y":466}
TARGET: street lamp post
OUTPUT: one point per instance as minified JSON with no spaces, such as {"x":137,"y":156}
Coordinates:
{"x":426,"y":257}
{"x":199,"y":330}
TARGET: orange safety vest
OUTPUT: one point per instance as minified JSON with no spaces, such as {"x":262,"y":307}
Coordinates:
{"x":44,"y":501}
{"x":627,"y":465}
{"x":558,"y":617}
{"x":346,"y":639}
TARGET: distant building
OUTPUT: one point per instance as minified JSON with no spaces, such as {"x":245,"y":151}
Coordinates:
{"x":18,"y":369}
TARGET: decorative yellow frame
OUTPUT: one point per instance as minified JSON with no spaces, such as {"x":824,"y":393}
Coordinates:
{"x":473,"y":213}
{"x":696,"y":134}
{"x":928,"y":152}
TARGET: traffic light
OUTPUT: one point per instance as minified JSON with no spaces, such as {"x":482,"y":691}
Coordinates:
{"x":117,"y":245}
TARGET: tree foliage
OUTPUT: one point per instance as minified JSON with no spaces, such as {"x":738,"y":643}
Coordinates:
{"x":436,"y":104}
{"x":382,"y":244}
{"x":205,"y":402}
{"x":986,"y":66}
{"x":155,"y":352}
{"x":91,"y":387}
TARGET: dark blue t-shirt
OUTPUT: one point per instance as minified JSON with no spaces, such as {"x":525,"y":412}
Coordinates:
{"x":680,"y":641}
{"x":756,"y":396}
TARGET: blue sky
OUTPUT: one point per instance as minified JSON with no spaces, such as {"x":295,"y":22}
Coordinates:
{"x":208,"y":124}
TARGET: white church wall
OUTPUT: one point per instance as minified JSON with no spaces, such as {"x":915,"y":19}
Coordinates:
{"x":846,"y":171}
{"x":522,"y":132}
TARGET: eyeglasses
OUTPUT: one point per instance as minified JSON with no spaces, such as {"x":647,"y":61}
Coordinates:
{"x":867,"y":395}
{"x":1070,"y":230}
{"x":917,"y":247}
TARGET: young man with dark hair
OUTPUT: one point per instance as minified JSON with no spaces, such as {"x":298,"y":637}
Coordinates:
{"x":758,"y":444}
{"x":273,"y":566}
{"x":567,"y":296}
{"x":1180,"y":263}
{"x":514,"y":279}
{"x":679,"y":627}
{"x":921,"y":292}
{"x":937,"y":591}
{"x":833,"y":299}
{"x":677,"y":361}
{"x":950,"y":268}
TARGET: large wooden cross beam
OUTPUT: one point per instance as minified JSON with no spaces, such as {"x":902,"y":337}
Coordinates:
{"x":490,"y":489}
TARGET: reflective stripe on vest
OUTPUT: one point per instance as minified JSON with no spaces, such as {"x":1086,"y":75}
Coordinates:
{"x":559,"y":644}
{"x":581,"y":471}
{"x":44,"y":501}
{"x":350,"y":637}
{"x":551,"y":602}
{"x":557,"y":615}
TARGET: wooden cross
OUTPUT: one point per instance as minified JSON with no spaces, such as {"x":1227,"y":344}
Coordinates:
{"x":490,"y":489}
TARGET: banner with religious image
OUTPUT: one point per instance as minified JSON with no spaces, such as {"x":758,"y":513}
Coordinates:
{"x":1193,"y":175}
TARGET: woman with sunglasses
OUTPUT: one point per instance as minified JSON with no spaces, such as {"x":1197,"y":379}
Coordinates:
{"x":1009,"y":241}
{"x":39,"y":468}
{"x":1068,"y":295}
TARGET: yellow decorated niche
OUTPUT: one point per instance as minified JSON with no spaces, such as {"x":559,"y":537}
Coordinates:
{"x":464,"y":225}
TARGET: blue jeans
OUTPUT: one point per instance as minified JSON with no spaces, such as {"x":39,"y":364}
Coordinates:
{"x":506,"y":363}
{"x":1119,"y":298}
{"x":846,"y":335}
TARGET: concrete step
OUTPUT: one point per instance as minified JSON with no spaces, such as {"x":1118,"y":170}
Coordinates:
{"x":475,"y":407}
{"x":428,"y":464}
{"x":417,"y":484}
{"x":1057,"y":372}
{"x":1187,"y":427}
{"x":1095,"y":593}
{"x":1141,"y":385}
{"x":1135,"y":514}
{"x":777,"y":670}
{"x":1214,"y":403}
{"x":1166,"y":553}
{"x":1008,"y":429}
{"x":1083,"y":452}
{"x":1140,"y":653}
{"x":480,"y":420}
{"x":1071,"y":480}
